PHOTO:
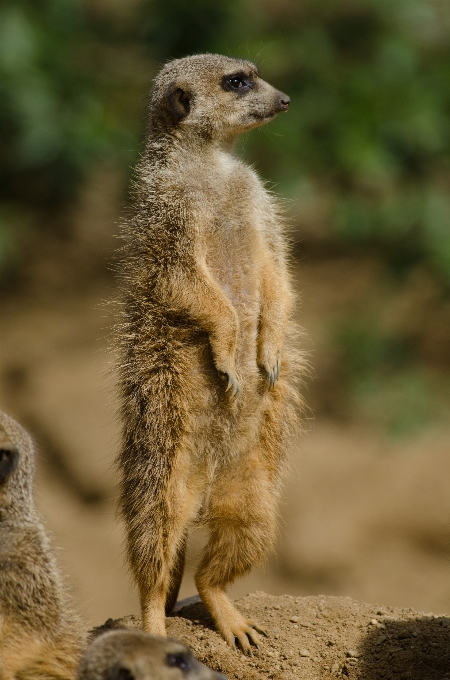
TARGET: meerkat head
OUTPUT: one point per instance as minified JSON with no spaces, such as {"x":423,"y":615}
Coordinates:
{"x":16,"y":468}
{"x":135,"y":655}
{"x":213,"y":96}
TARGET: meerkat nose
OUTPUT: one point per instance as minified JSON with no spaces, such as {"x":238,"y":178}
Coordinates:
{"x":284,"y":102}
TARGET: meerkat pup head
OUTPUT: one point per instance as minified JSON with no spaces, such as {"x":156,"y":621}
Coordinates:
{"x":135,"y":655}
{"x":213,"y":96}
{"x":16,"y":469}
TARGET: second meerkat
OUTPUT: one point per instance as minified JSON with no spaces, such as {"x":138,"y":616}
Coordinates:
{"x":209,"y":369}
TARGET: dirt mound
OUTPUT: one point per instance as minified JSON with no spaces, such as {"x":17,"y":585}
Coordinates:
{"x":319,"y":637}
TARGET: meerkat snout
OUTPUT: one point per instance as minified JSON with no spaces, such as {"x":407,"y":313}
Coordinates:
{"x":284,"y":102}
{"x":135,"y":655}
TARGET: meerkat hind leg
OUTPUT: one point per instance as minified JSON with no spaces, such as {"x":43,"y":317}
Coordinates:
{"x":241,"y":515}
{"x":176,"y":576}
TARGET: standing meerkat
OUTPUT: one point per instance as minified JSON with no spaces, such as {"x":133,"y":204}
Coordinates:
{"x":40,"y":636}
{"x":208,"y":366}
{"x":134,"y":655}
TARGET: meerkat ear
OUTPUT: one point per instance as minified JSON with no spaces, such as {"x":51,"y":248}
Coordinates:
{"x":178,"y":101}
{"x":9,"y":459}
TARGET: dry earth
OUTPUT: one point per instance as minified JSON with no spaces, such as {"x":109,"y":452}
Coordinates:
{"x":319,"y":637}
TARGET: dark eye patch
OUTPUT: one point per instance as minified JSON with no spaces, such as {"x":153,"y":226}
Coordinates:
{"x":180,"y":660}
{"x":237,"y":82}
{"x":9,"y":459}
{"x":119,"y":672}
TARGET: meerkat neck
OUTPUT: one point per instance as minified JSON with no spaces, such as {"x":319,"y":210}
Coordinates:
{"x":176,"y":144}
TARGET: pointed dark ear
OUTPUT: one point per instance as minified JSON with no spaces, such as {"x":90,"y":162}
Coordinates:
{"x":178,"y":102}
{"x":9,"y":459}
{"x":120,"y":672}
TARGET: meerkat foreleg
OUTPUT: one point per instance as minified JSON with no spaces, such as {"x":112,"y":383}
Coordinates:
{"x":241,"y":517}
{"x":199,"y":294}
{"x":275,"y":309}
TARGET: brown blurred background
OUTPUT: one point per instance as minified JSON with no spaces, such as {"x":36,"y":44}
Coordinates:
{"x":363,"y":159}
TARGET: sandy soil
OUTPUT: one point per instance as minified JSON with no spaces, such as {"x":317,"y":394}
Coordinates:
{"x":320,"y":637}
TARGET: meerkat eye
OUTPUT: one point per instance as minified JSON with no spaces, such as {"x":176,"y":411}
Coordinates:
{"x":9,"y":459}
{"x":236,"y":83}
{"x":180,"y":661}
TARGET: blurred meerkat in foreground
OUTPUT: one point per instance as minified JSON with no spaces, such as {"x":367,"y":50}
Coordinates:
{"x":209,"y":369}
{"x":40,"y":636}
{"x":134,"y":655}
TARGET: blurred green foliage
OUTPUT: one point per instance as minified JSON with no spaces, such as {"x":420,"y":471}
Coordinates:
{"x":365,"y":146}
{"x":383,"y":383}
{"x":369,"y":124}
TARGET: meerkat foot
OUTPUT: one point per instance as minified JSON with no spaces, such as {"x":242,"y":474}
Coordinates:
{"x":242,"y":631}
{"x":231,"y":624}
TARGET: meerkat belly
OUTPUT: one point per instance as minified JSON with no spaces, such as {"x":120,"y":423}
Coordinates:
{"x":233,"y":262}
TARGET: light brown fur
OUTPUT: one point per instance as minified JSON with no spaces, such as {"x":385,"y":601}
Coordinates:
{"x":134,"y":655}
{"x":40,"y":636}
{"x":209,"y":370}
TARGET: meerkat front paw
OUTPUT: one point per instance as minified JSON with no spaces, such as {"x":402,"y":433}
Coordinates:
{"x":270,"y":362}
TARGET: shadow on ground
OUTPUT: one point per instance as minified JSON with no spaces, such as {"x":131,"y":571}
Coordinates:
{"x":406,"y":650}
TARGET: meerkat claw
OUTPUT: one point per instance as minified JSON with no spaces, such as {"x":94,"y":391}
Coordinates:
{"x":233,"y":386}
{"x":272,"y":373}
{"x":257,"y":627}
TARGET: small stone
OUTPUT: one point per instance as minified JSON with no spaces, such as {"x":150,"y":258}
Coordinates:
{"x":294,"y":619}
{"x":295,"y":625}
{"x":353,"y":653}
{"x":335,"y":668}
{"x":304,"y":652}
{"x":276,"y":630}
{"x":403,"y":635}
{"x":380,"y":640}
{"x":276,"y":636}
{"x":374,"y":622}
